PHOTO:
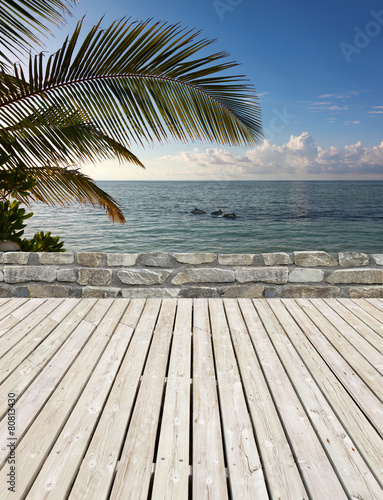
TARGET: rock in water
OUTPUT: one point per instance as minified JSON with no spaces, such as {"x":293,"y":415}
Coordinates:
{"x":197,"y":211}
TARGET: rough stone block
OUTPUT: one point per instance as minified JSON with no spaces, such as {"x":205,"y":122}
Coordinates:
{"x":94,"y":292}
{"x":157,"y":259}
{"x":364,"y":276}
{"x":7,"y":291}
{"x":16,"y":274}
{"x":378,"y":258}
{"x":90,"y":259}
{"x":277,"y":275}
{"x":20,"y":258}
{"x":277,"y":259}
{"x":67,"y":275}
{"x":306,"y":275}
{"x":370,"y":292}
{"x":245,"y":291}
{"x":143,"y":276}
{"x":314,"y":259}
{"x":195,"y":258}
{"x":56,"y":257}
{"x":22,"y":291}
{"x":353,"y":259}
{"x":95,"y":277}
{"x":121,"y":259}
{"x":307,"y":291}
{"x":199,"y":292}
{"x":204,"y":275}
{"x":148,"y":293}
{"x":42,"y":291}
{"x":1,"y":276}
{"x":235,"y":259}
{"x":9,"y":246}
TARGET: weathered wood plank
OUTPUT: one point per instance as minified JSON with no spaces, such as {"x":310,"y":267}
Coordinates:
{"x":97,"y":470}
{"x":171,"y":478}
{"x":371,"y":309}
{"x":376,"y":303}
{"x":136,"y":460}
{"x":18,"y":314}
{"x":315,"y":468}
{"x":357,"y":324}
{"x":209,"y":477}
{"x":370,"y":321}
{"x":348,"y":464}
{"x":61,"y":464}
{"x":349,"y":413}
{"x":355,"y":360}
{"x":9,"y":306}
{"x":283,"y":478}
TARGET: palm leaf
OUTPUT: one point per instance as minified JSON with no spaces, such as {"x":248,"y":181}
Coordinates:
{"x":138,"y":82}
{"x":22,"y":22}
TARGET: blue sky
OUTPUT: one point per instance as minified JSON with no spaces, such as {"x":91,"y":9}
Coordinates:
{"x":316,"y":66}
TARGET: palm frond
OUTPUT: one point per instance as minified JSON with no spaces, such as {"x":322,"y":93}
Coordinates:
{"x":22,"y":22}
{"x":138,"y":82}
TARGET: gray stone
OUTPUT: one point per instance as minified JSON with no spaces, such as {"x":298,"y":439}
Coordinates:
{"x":1,"y":276}
{"x":143,"y":276}
{"x":370,"y":292}
{"x":16,"y":258}
{"x":9,"y":246}
{"x":56,"y":257}
{"x":245,"y":291}
{"x":147,"y":293}
{"x":378,"y":258}
{"x":235,"y":259}
{"x":258,"y":260}
{"x":157,"y":259}
{"x":7,"y":291}
{"x":95,"y":277}
{"x":353,"y":259}
{"x":306,"y":275}
{"x":90,"y":259}
{"x":277,"y":275}
{"x":16,"y":274}
{"x":363,"y":276}
{"x":42,"y":291}
{"x":66,"y":275}
{"x":307,"y":291}
{"x":204,"y":275}
{"x":195,"y":258}
{"x":121,"y":259}
{"x":198,"y":292}
{"x":94,"y":292}
{"x":270,"y":292}
{"x":33,"y":259}
{"x":22,"y":291}
{"x":276,"y":259}
{"x":314,"y":259}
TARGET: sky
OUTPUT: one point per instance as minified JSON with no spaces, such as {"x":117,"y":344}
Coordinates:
{"x":317,"y":70}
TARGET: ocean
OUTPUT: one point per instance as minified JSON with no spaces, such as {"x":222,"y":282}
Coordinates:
{"x":272,"y":216}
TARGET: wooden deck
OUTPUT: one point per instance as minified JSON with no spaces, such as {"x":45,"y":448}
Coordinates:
{"x":192,"y":399}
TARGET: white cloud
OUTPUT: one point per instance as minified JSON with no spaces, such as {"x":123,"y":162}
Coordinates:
{"x":354,"y":122}
{"x":375,"y":112}
{"x":300,"y":157}
{"x":345,"y":95}
{"x":261,"y":94}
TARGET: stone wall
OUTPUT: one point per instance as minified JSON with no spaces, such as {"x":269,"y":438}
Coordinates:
{"x":299,"y":274}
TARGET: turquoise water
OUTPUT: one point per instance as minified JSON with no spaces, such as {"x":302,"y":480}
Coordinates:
{"x":273,"y":216}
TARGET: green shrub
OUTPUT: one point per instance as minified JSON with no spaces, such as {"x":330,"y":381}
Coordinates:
{"x":42,"y":243}
{"x":11,"y":220}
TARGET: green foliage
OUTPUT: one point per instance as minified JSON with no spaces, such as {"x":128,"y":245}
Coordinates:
{"x":42,"y":243}
{"x":11,"y":220}
{"x":16,"y":182}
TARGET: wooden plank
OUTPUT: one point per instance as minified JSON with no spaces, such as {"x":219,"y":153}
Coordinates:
{"x":209,"y":478}
{"x":349,"y":465}
{"x":24,"y":374}
{"x":60,"y":466}
{"x":355,"y":360}
{"x":171,"y":478}
{"x":376,"y":303}
{"x":99,"y":465}
{"x":35,"y":397}
{"x":13,"y":335}
{"x":316,"y":470}
{"x":281,"y":472}
{"x":10,"y":306}
{"x":19,"y":311}
{"x":362,"y":394}
{"x":246,"y":476}
{"x":3,"y":301}
{"x":371,"y":309}
{"x":34,"y":337}
{"x":351,"y":416}
{"x":357,"y":324}
{"x":370,"y":321}
{"x":345,"y":329}
{"x":135,"y":466}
